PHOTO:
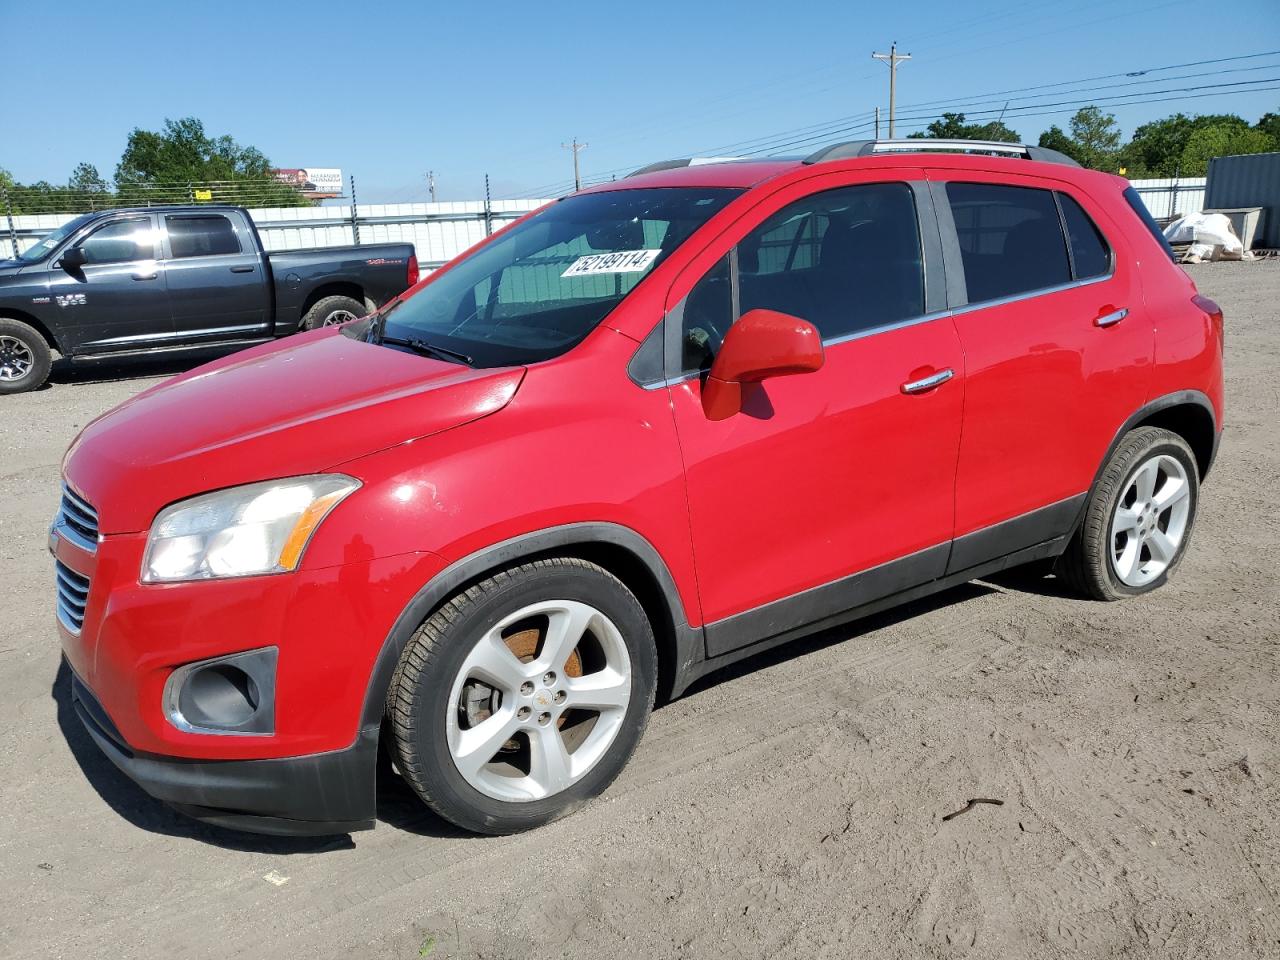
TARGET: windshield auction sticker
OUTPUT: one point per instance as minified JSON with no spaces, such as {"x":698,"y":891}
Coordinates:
{"x":623,"y":261}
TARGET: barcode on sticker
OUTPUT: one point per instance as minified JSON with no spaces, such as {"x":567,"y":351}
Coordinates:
{"x":622,"y":261}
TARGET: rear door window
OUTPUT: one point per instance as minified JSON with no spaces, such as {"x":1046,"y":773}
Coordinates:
{"x":201,"y":236}
{"x":1090,"y":253}
{"x":1011,"y":240}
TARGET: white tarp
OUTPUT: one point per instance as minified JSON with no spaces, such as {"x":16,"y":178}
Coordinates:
{"x":1211,"y":235}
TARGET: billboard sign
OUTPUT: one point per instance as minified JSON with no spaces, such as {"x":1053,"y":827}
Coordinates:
{"x":314,"y":182}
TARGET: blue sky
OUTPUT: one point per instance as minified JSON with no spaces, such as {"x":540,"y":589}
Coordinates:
{"x":391,"y":89}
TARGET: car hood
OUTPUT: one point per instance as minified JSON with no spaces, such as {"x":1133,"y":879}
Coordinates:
{"x":299,"y":406}
{"x":10,"y":267}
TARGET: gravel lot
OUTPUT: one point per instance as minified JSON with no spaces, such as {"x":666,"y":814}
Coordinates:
{"x":790,"y":807}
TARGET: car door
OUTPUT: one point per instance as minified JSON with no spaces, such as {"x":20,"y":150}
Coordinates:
{"x":216,"y":280}
{"x":1058,"y":353}
{"x":831,"y":488}
{"x":116,"y":300}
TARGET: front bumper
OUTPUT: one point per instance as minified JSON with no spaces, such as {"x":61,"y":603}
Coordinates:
{"x":313,"y":795}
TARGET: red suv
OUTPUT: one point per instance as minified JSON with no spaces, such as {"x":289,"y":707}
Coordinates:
{"x":648,"y":430}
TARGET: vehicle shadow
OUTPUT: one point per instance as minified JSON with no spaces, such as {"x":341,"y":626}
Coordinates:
{"x":820,"y":640}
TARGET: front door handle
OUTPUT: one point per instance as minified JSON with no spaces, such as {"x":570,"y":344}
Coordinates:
{"x":246,"y":269}
{"x":928,"y":383}
{"x":145,"y":276}
{"x":1112,"y":318}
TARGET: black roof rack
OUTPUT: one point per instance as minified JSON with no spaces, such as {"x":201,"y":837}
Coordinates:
{"x":661,"y":165}
{"x":867,"y":148}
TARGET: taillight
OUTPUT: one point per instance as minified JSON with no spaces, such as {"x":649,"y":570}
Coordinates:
{"x":413,"y":269}
{"x":1213,"y":310}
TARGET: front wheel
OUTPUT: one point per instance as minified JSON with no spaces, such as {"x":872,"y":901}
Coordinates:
{"x":25,"y":359}
{"x":1138,"y":520}
{"x":524,"y":696}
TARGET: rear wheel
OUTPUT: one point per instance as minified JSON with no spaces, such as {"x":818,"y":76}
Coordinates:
{"x":1139,"y":518}
{"x":25,"y":358}
{"x":328,"y":311}
{"x":524,"y":696}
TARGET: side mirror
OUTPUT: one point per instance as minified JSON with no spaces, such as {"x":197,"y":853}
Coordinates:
{"x":72,"y":259}
{"x":762,"y":344}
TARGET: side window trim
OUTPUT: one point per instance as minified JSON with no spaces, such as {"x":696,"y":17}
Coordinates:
{"x":1066,"y":234}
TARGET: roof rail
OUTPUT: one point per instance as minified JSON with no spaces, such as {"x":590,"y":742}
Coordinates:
{"x":685,"y":162}
{"x":867,"y":148}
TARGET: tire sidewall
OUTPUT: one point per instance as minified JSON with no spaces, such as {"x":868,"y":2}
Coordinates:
{"x":43,"y":360}
{"x":445,"y":784}
{"x":1169,"y":445}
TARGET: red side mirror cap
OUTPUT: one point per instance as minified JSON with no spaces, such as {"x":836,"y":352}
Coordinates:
{"x":762,"y":344}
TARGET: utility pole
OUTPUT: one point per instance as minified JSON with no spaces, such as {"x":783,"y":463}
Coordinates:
{"x":431,"y":185}
{"x":892,"y":58}
{"x":877,"y":123}
{"x":575,"y":147}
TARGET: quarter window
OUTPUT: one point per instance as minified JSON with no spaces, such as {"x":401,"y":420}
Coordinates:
{"x":1090,"y":255}
{"x":1011,"y":239}
{"x":201,"y":236}
{"x":121,"y":242}
{"x":847,"y":260}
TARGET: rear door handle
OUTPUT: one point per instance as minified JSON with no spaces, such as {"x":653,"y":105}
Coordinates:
{"x":145,"y":276}
{"x":928,"y":383}
{"x":242,"y":269}
{"x":1112,"y":318}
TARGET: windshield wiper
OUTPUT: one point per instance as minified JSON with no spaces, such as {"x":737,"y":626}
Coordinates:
{"x":428,"y":349}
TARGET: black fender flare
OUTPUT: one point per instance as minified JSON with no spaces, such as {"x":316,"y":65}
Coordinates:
{"x":688,"y":640}
{"x":1178,"y":398}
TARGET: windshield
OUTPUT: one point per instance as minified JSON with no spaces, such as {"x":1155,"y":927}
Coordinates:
{"x":547,"y":283}
{"x":49,"y":243}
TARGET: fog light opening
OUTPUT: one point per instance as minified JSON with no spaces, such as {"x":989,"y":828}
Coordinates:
{"x":229,"y":695}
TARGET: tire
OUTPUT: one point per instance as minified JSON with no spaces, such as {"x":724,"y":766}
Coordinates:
{"x":25,"y":358}
{"x":330,"y":310}
{"x":442,"y":695}
{"x":1114,"y":554}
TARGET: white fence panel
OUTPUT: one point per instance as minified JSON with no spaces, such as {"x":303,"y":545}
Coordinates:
{"x":1168,"y":197}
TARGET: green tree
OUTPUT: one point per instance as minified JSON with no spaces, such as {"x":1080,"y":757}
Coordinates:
{"x":951,"y":126}
{"x":1269,"y":123}
{"x":1221,"y":140}
{"x":1096,"y":138}
{"x":1055,"y":139}
{"x":166,"y":166}
{"x":1156,"y":148}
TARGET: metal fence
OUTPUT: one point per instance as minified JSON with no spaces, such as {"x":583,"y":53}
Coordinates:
{"x":1168,"y":198}
{"x":438,"y":231}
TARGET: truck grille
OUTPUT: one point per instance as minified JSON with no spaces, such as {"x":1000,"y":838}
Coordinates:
{"x":73,"y":595}
{"x":80,"y":518}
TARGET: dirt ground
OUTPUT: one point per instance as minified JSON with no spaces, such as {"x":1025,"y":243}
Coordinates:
{"x":793,"y":806}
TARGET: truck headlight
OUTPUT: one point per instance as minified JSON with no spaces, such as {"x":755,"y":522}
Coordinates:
{"x":254,"y":529}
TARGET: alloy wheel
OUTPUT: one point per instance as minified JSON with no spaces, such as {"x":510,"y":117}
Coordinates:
{"x":538,"y":700}
{"x":16,"y":359}
{"x":338,"y":316}
{"x":1150,"y":520}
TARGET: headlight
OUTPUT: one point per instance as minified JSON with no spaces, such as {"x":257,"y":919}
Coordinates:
{"x":257,"y":528}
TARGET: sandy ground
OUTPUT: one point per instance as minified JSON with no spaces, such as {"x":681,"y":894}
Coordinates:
{"x":791,"y":807}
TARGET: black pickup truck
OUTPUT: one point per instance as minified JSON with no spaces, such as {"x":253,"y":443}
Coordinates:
{"x":156,"y":280}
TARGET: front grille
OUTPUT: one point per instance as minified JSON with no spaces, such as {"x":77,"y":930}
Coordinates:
{"x":79,"y":516}
{"x":73,"y":595}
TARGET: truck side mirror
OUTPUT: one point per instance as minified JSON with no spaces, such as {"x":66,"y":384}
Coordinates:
{"x":72,"y":259}
{"x":762,"y":344}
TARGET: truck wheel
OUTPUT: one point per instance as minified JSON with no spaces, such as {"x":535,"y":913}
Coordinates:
{"x":25,"y":359}
{"x":1138,"y":520}
{"x":327,"y":311}
{"x":523,"y":696}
